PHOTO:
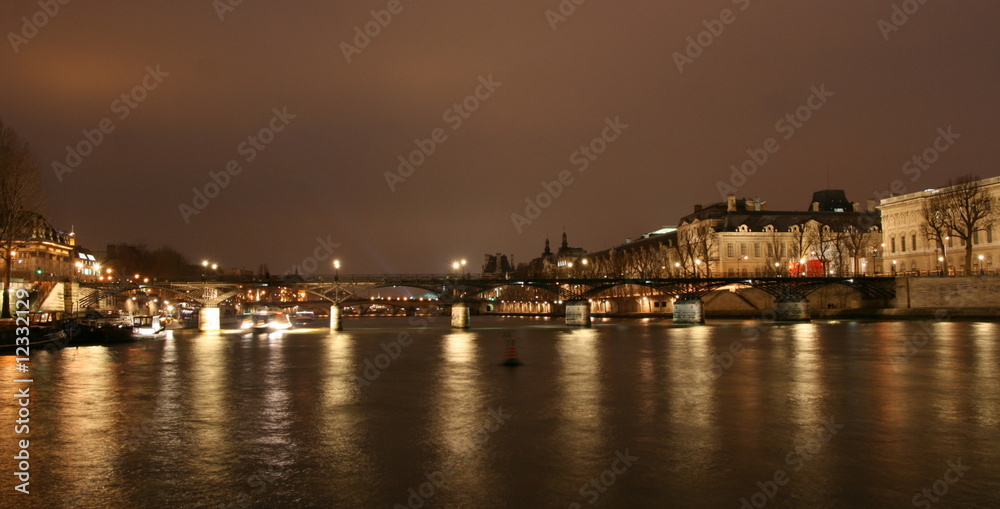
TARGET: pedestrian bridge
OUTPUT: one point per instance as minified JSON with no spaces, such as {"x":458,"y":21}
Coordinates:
{"x":790,"y":292}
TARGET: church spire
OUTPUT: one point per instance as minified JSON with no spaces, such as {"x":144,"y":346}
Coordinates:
{"x":565,"y":245}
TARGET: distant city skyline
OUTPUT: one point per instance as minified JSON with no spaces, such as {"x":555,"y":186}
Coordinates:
{"x":398,"y":137}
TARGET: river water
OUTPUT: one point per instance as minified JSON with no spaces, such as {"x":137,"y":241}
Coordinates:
{"x":627,"y":414}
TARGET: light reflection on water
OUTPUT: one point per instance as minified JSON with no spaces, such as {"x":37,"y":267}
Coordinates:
{"x":579,"y":430}
{"x":269,"y":421}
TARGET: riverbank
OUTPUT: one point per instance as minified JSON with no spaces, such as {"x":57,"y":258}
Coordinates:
{"x":965,"y":313}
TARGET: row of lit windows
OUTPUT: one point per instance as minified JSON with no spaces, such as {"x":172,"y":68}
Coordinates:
{"x":950,"y":241}
{"x":757,"y":250}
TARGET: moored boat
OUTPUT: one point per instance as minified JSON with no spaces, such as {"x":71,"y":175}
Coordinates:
{"x":144,"y":327}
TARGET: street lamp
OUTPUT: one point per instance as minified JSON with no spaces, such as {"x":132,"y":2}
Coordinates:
{"x":941,"y":262}
{"x":697,"y":266}
{"x":894,"y":267}
{"x":738,"y":260}
{"x":336,"y":270}
{"x":981,"y":264}
{"x":677,"y":269}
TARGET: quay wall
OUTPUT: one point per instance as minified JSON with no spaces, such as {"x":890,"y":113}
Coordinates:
{"x":947,"y":292}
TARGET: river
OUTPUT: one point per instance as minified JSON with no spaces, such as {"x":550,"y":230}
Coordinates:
{"x":405,"y":412}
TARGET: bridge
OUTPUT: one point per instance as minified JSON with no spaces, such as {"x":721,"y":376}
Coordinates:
{"x":790,"y":293}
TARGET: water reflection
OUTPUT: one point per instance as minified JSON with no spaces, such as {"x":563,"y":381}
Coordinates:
{"x":808,"y":390}
{"x":690,"y":385}
{"x":340,"y":425}
{"x":88,"y":411}
{"x":985,"y":360}
{"x":462,"y":412}
{"x":224,"y":408}
{"x":579,"y":429}
{"x":204,"y":409}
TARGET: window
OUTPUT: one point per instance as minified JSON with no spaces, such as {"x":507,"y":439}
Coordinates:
{"x":756,"y":249}
{"x":743,"y":249}
{"x":782,"y":251}
{"x":975,"y":238}
{"x":989,"y":235}
{"x":730,"y":251}
{"x":913,"y":242}
{"x":902,"y":243}
{"x":950,"y":242}
{"x":893,"y":245}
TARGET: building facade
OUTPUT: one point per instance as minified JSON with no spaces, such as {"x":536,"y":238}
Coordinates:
{"x":912,"y":247}
{"x":741,"y":237}
{"x":42,"y":252}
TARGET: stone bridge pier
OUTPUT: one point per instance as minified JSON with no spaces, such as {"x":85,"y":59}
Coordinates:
{"x":460,"y":315}
{"x":209,"y":319}
{"x":689,"y":310}
{"x":578,"y":313}
{"x":791,"y":309}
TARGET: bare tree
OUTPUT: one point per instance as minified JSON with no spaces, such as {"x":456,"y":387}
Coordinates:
{"x":935,"y":224}
{"x":774,"y":244}
{"x":20,"y":199}
{"x":858,"y":243}
{"x":707,"y":249}
{"x":645,"y":261}
{"x":970,"y":210}
{"x":687,"y":249}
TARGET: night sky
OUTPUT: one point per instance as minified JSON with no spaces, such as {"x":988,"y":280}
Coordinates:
{"x":323,"y":176}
